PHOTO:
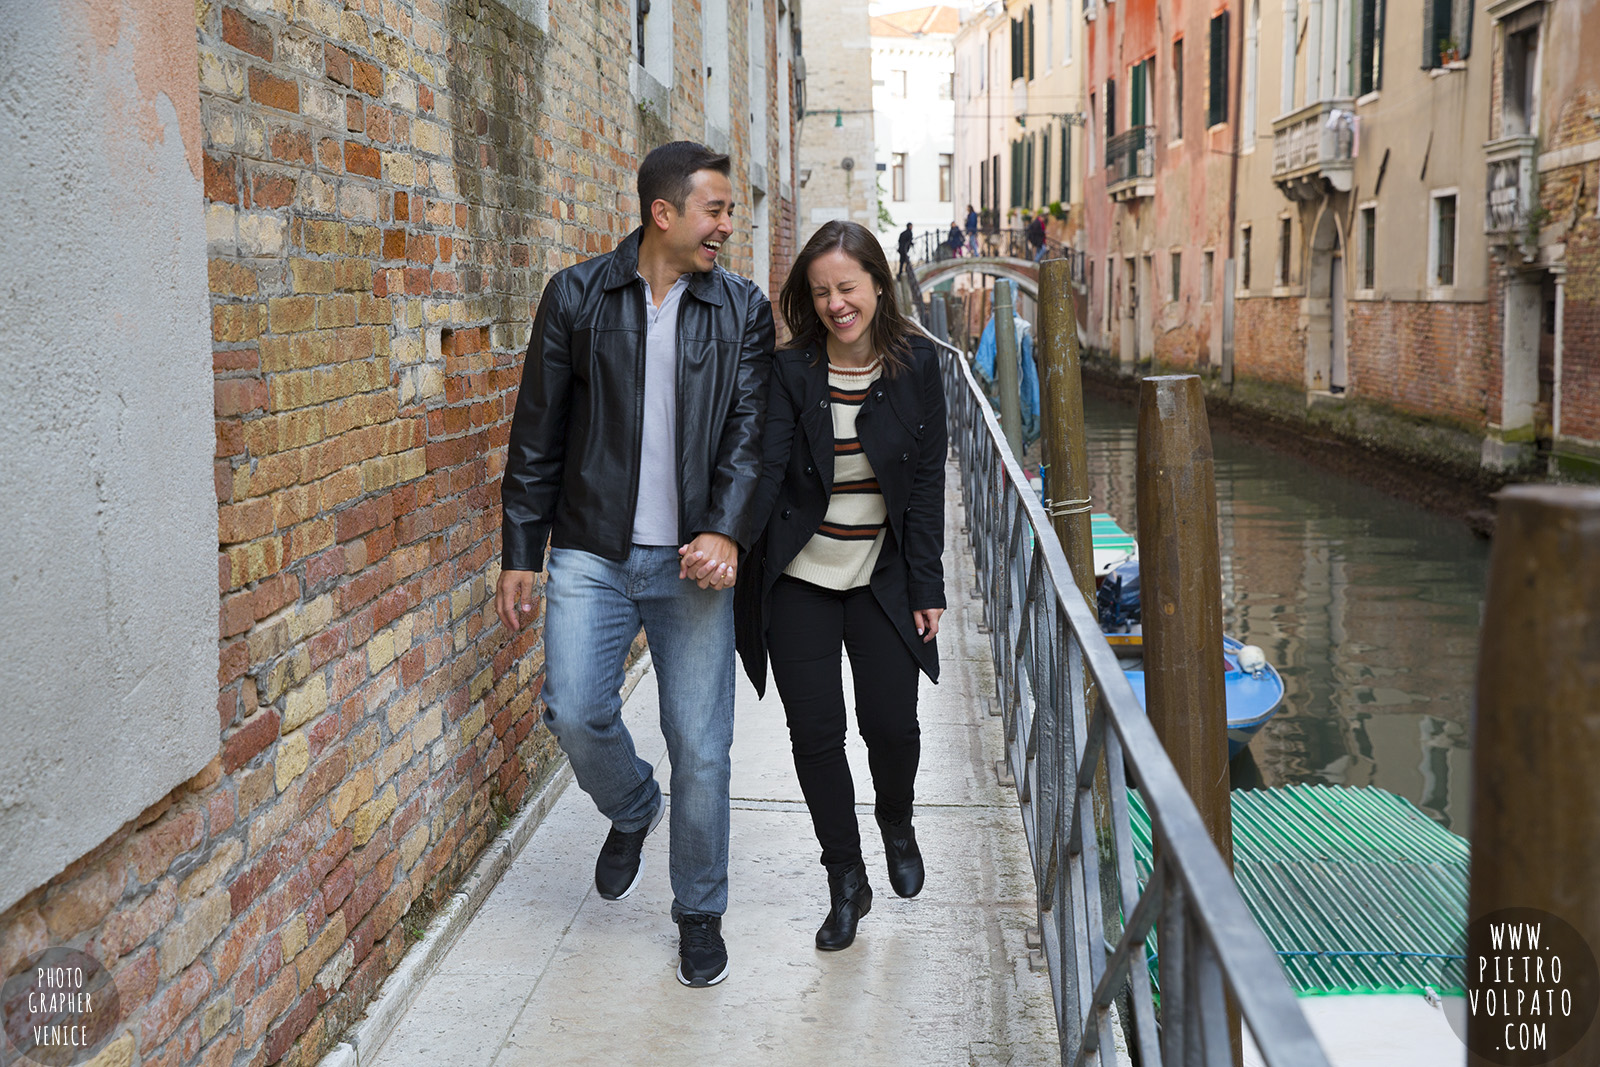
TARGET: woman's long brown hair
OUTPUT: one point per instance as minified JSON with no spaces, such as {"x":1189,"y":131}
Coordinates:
{"x":891,"y":332}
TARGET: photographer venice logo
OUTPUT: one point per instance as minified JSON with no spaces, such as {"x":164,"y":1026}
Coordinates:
{"x":59,"y":1008}
{"x":1532,"y":988}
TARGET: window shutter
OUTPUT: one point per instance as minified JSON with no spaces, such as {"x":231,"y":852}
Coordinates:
{"x":1430,"y":36}
{"x":1461,"y":23}
{"x":1066,"y":164}
{"x":1136,"y":93}
{"x":1217,"y":96}
{"x":1111,"y":108}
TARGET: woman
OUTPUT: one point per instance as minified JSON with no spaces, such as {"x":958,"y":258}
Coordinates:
{"x":853,"y":481}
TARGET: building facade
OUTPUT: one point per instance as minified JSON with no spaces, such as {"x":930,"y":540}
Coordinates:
{"x":1377,"y":207}
{"x":913,"y":99}
{"x":304,"y":242}
{"x":836,"y":156}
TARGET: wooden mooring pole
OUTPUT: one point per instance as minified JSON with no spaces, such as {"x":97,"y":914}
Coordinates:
{"x":1535,"y":783}
{"x":1180,"y":592}
{"x":1065,"y":449}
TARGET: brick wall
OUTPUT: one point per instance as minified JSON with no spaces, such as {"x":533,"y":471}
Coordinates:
{"x":1268,"y":342}
{"x":1569,"y":194}
{"x":388,"y":186}
{"x":1429,"y":358}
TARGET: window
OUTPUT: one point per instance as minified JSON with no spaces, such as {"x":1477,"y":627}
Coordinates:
{"x":1111,"y":109}
{"x":1044,"y":167}
{"x":1017,"y":163}
{"x":1369,"y":246}
{"x":1519,"y":107}
{"x":1244,"y":258}
{"x":1018,"y":50}
{"x":1177,"y":90}
{"x":897,"y":173}
{"x":983,"y":187}
{"x":897,"y":84}
{"x":1285,"y":247}
{"x":945,"y":161}
{"x":994,"y":181}
{"x":947,"y":88}
{"x":1049,"y":33}
{"x":1442,"y":249}
{"x":1210,"y":267}
{"x":1177,"y":274}
{"x":1141,"y":78}
{"x":1369,"y":57}
{"x":1446,"y":30}
{"x":1217,"y":90}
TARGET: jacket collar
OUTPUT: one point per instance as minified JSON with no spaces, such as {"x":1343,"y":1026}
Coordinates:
{"x":623,"y":269}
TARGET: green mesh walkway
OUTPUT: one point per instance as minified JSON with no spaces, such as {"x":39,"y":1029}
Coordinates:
{"x":1357,"y":889}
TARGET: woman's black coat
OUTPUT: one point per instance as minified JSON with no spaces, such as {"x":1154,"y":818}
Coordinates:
{"x":902,"y":431}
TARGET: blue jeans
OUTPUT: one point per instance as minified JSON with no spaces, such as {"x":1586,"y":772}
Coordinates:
{"x":593,"y":609}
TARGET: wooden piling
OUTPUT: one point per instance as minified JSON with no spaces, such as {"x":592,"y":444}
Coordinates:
{"x":1180,"y":594}
{"x":1535,"y":746}
{"x":1006,"y":375}
{"x":1065,"y":448}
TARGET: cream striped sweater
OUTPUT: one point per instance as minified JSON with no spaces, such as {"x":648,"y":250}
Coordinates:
{"x":845,"y":548}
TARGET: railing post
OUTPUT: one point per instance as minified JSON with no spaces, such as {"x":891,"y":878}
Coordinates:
{"x":1006,"y":375}
{"x":1535,"y":796}
{"x":1180,"y":579}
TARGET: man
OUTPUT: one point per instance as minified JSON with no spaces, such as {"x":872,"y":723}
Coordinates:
{"x":1036,"y":237}
{"x":906,"y":240}
{"x":636,"y":447}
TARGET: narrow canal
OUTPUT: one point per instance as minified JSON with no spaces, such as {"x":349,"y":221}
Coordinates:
{"x":1368,"y":606}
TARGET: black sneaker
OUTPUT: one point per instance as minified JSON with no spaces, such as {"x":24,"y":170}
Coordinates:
{"x":616,"y":871}
{"x":702,"y":956}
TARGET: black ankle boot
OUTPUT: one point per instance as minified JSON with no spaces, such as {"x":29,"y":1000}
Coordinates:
{"x":905,"y":858}
{"x":852,"y":898}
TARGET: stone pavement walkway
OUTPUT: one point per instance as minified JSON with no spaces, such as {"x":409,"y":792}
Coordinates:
{"x":547,"y":973}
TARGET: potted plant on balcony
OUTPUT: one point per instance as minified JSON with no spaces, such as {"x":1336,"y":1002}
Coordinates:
{"x":1449,"y":51}
{"x":1056,"y":210}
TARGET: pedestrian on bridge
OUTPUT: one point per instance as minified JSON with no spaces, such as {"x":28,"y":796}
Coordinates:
{"x":636,"y":449}
{"x":972,"y":230}
{"x":852,"y":487}
{"x":907,"y":239}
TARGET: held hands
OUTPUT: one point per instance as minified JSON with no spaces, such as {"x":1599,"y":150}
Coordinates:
{"x":927,"y":621}
{"x":711,"y":560}
{"x":513,"y":598}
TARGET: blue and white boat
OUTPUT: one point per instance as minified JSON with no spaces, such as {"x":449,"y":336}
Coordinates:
{"x":1252,"y":687}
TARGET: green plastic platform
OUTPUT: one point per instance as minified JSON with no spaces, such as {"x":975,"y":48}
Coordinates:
{"x":1356,"y":888}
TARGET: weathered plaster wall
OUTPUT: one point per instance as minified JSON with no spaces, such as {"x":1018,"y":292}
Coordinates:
{"x":108,"y":549}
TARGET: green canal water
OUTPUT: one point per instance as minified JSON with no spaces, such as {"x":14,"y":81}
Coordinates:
{"x":1368,"y":606}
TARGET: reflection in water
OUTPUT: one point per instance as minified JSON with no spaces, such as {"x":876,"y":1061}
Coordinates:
{"x":1369,"y":607}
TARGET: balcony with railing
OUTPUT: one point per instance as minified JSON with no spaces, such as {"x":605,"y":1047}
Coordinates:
{"x":1510,"y":187}
{"x":1313,"y":149}
{"x":1131,"y":163}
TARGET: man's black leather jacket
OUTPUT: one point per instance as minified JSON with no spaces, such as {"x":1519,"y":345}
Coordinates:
{"x":572,"y":467}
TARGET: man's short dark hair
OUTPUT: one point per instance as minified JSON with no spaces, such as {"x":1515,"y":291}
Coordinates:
{"x":667,"y":173}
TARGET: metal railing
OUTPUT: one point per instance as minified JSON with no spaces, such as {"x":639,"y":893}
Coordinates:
{"x":1046,"y":645}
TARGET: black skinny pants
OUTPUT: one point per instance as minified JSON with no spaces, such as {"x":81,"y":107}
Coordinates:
{"x":809,"y":625}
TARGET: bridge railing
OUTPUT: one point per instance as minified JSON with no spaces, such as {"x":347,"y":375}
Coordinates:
{"x":1096,"y":931}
